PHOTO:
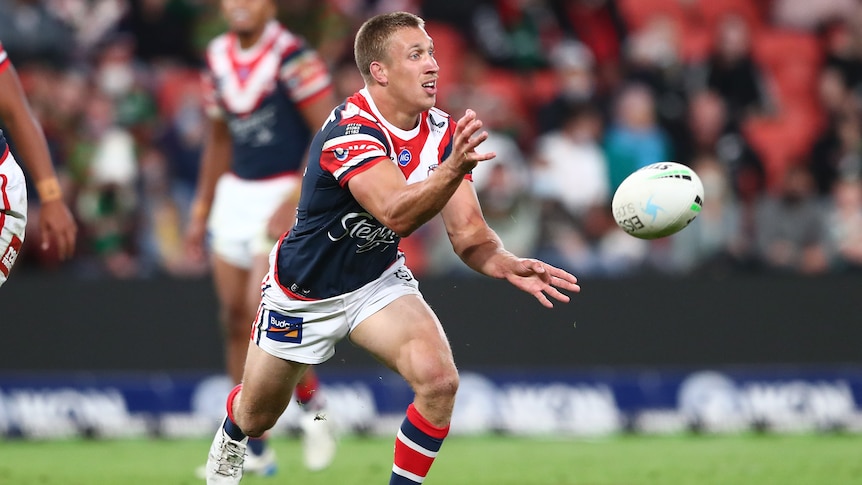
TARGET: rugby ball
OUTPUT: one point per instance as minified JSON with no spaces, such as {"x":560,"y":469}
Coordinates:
{"x":658,"y":200}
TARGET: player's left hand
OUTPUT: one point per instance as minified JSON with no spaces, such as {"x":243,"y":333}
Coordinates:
{"x":542,"y":280}
{"x":280,"y":222}
{"x":58,"y":228}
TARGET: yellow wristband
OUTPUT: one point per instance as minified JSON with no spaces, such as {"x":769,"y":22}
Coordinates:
{"x":49,"y":190}
{"x":199,"y":210}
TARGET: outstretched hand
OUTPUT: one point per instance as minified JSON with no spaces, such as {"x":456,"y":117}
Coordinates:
{"x":542,"y":280}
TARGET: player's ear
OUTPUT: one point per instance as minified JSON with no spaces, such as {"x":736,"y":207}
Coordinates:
{"x":378,"y":73}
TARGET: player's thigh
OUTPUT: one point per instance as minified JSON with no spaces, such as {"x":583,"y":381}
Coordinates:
{"x":407,"y":336}
{"x":268,"y":382}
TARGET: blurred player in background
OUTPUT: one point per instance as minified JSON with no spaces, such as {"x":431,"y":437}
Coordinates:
{"x":266,"y":92}
{"x":385,"y":163}
{"x":56,"y":224}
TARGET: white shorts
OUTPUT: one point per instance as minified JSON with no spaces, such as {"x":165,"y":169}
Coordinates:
{"x":307,"y":331}
{"x":13,"y":214}
{"x":241,"y":210}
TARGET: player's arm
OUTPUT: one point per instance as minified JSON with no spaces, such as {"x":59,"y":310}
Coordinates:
{"x":315,"y":112}
{"x":55,"y":220}
{"x":482,"y":250}
{"x":215,"y":161}
{"x":383,"y":192}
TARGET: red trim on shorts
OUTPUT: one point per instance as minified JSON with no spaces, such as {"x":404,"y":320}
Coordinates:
{"x":5,"y":155}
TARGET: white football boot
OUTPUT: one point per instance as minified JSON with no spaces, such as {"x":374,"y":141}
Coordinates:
{"x":319,"y":442}
{"x":225,"y":461}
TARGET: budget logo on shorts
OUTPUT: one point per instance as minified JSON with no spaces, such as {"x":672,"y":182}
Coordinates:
{"x":404,"y":157}
{"x":283,"y":328}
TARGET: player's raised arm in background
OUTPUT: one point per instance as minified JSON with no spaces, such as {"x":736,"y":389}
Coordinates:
{"x":56,"y":224}
{"x":403,"y":207}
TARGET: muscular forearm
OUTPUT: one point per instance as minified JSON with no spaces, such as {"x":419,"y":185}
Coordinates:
{"x":483,"y":252}
{"x":416,"y":204}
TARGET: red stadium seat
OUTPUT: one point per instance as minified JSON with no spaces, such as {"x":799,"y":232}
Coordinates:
{"x":637,"y":13}
{"x":450,"y":47}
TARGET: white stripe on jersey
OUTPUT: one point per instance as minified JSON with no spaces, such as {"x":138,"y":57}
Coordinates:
{"x":262,"y":78}
{"x":3,"y":55}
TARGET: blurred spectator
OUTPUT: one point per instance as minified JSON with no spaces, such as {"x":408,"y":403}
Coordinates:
{"x":572,"y":65}
{"x":653,"y":58}
{"x":324,"y":25}
{"x":502,"y":186}
{"x":837,"y":152}
{"x":515,"y":34}
{"x":844,"y":223}
{"x":90,"y":20}
{"x":107,"y":199}
{"x":713,"y":241}
{"x":494,"y":92}
{"x":790,"y":231}
{"x":711,"y":132}
{"x":162,"y":226}
{"x":732,"y":72}
{"x":634,"y":138}
{"x":598,"y":24}
{"x":843,"y":51}
{"x":32,"y":34}
{"x":569,"y":165}
{"x":162,"y":30}
{"x":807,"y":15}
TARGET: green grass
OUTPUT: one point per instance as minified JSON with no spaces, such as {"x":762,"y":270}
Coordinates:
{"x":678,"y":460}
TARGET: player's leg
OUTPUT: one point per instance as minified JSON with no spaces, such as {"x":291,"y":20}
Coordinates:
{"x":407,"y":337}
{"x":231,"y":282}
{"x":253,"y":408}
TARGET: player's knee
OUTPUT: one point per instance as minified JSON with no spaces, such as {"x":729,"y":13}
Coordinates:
{"x":440,"y":385}
{"x":255,"y":425}
{"x":235,"y":321}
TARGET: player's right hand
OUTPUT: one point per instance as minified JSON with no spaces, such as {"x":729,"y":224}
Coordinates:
{"x":195,"y":238}
{"x":467,"y":138}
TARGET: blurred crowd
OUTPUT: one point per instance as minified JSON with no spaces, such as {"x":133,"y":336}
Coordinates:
{"x":760,"y":97}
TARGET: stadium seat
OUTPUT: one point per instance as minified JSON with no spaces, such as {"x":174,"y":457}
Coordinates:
{"x":449,"y":47}
{"x":712,"y":11}
{"x":636,"y":13}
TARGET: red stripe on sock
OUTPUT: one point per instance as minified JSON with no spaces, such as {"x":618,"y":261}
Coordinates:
{"x":230,"y":398}
{"x":424,"y":425}
{"x":306,"y":388}
{"x":411,"y":460}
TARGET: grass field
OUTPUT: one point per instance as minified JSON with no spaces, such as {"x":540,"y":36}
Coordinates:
{"x":679,"y":460}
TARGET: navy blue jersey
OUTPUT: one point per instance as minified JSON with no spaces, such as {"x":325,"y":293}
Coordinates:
{"x":336,"y":246}
{"x":259,"y":93}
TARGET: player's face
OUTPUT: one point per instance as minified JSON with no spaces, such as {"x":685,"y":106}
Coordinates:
{"x":247,"y":17}
{"x":412,"y":69}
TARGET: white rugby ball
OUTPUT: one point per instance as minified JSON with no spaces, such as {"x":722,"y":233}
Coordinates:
{"x":658,"y":200}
